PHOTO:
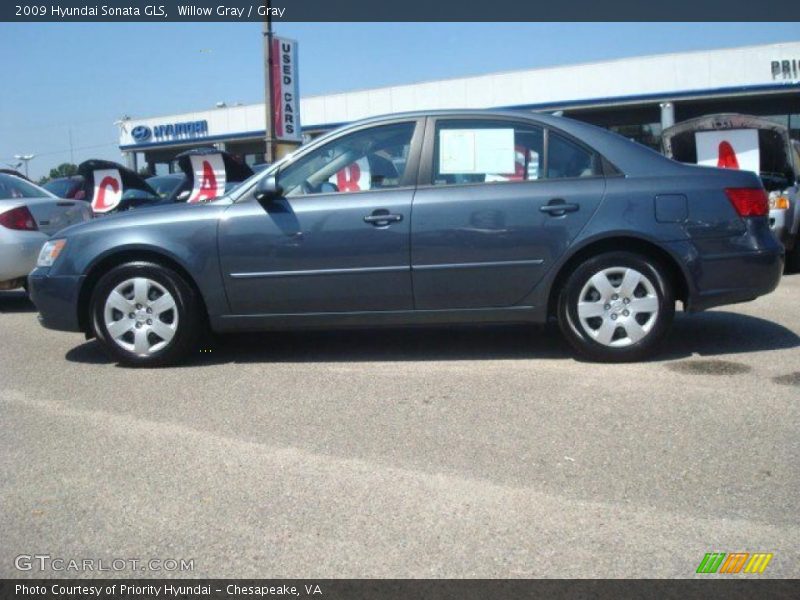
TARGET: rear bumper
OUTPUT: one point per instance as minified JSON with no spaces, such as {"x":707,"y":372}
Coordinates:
{"x":18,"y":252}
{"x":720,"y":279}
{"x":779,"y":225}
{"x":56,"y":298}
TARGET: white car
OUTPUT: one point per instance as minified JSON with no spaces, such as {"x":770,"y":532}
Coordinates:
{"x":29,"y":215}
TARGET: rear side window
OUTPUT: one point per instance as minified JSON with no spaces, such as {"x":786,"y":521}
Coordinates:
{"x":566,"y":159}
{"x":484,"y":151}
{"x":480,"y":151}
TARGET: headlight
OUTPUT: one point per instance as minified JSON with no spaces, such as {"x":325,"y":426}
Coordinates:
{"x":49,"y":252}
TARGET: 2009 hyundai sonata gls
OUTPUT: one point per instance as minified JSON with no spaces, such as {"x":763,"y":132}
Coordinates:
{"x":443,"y":217}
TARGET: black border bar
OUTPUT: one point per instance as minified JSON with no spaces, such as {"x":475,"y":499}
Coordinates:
{"x":401,"y":11}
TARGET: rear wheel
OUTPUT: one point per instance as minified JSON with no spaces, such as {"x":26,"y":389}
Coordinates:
{"x":616,"y":307}
{"x":145,"y":314}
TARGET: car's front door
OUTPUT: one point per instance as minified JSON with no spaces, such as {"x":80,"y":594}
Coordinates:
{"x":338,"y":238}
{"x":501,"y":201}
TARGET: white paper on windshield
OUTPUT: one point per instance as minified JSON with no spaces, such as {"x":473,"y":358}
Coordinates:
{"x":730,"y":149}
{"x":107,"y":190}
{"x":473,"y":151}
{"x":209,"y":177}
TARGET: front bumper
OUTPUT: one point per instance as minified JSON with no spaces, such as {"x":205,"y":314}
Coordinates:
{"x":56,"y":298}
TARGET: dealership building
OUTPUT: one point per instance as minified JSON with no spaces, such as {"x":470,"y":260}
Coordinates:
{"x":636,"y":97}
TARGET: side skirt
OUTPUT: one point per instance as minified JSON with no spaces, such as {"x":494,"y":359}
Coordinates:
{"x":333,"y":320}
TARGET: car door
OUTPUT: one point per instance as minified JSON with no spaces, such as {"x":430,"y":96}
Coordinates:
{"x":338,"y":238}
{"x":501,"y":203}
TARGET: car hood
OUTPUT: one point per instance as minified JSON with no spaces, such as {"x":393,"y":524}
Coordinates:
{"x":166,"y":213}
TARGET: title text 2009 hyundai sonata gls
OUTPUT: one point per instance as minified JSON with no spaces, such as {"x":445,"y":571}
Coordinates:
{"x":442,"y":217}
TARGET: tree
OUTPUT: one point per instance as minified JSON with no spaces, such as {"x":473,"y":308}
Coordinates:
{"x":63,"y":170}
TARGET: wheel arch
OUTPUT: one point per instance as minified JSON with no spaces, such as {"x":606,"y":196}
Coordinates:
{"x":120,"y":256}
{"x":621,"y":243}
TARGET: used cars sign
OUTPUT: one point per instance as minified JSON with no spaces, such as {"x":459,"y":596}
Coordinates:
{"x":285,"y":90}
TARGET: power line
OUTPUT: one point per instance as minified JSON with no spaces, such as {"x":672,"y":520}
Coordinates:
{"x":66,"y":150}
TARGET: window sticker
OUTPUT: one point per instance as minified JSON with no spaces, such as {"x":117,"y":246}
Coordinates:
{"x":476,"y":151}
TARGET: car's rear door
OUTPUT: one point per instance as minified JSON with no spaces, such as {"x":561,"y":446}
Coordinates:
{"x":498,"y":202}
{"x":338,"y":241}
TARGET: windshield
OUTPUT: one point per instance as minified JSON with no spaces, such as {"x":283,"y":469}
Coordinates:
{"x":59,"y":187}
{"x":12,"y":188}
{"x":164,"y":185}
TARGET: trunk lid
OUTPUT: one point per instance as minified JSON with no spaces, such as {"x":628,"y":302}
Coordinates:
{"x":741,"y":142}
{"x":54,"y":214}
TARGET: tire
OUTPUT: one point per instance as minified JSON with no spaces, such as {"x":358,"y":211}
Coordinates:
{"x":146,"y":315}
{"x":793,"y":258}
{"x":616,"y":322}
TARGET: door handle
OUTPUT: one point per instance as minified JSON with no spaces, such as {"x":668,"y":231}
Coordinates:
{"x":558,"y":207}
{"x":65,"y":204}
{"x":382,"y":218}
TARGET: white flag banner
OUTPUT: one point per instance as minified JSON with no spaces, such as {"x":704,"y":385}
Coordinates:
{"x":107,"y":190}
{"x":209,"y":177}
{"x":729,"y":149}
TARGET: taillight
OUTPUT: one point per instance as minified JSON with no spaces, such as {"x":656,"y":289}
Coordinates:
{"x":749,"y":202}
{"x":19,"y":218}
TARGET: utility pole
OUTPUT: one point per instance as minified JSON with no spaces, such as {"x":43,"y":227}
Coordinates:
{"x":269,"y":154}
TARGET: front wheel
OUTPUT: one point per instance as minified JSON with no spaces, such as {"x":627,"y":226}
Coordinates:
{"x":145,"y":314}
{"x":616,"y":307}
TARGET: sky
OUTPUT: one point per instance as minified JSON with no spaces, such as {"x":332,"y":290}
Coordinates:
{"x":66,"y":83}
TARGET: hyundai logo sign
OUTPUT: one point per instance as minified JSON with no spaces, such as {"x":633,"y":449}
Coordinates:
{"x":170,"y":131}
{"x":141,"y":133}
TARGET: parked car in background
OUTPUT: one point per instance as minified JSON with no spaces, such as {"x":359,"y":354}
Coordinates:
{"x":28,"y":216}
{"x":420,"y":218}
{"x":736,"y":141}
{"x":112,"y":188}
{"x":67,"y":187}
{"x":207,"y":174}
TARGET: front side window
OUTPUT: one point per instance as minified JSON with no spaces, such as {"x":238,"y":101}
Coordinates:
{"x":370,"y":159}
{"x":479,"y":151}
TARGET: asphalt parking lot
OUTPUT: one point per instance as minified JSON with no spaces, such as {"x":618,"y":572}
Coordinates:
{"x":407,"y":453}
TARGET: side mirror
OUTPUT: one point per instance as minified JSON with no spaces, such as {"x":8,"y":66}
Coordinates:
{"x":268,"y":189}
{"x":183,"y":196}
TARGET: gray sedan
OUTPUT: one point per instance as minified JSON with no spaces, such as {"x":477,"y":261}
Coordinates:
{"x":419,"y":218}
{"x":29,"y":215}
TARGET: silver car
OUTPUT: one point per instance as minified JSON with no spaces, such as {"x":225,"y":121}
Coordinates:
{"x":29,"y":215}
